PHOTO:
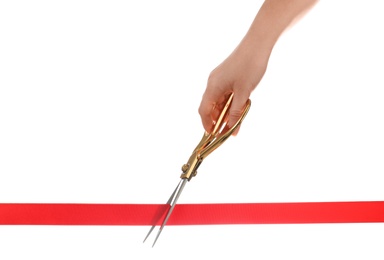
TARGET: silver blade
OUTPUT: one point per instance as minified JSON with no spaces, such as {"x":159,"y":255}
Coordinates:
{"x":168,"y":202}
{"x":182,"y":182}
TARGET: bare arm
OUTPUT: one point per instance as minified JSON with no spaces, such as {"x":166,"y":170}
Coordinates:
{"x":243,"y":69}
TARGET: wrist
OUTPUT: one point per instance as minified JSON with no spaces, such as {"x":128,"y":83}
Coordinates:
{"x":255,"y":49}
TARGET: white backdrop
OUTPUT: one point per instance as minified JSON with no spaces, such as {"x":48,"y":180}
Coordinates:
{"x":98,"y":104}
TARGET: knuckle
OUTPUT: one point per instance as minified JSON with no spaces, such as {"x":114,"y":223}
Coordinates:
{"x":213,"y":80}
{"x":204,"y":111}
{"x":235,"y":114}
{"x":201,"y":111}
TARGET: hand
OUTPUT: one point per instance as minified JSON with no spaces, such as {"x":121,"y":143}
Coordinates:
{"x":240,"y":73}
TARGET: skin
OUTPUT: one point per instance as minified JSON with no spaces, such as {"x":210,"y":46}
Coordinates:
{"x":243,"y":69}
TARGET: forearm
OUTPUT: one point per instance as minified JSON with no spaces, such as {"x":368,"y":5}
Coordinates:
{"x":273,"y":18}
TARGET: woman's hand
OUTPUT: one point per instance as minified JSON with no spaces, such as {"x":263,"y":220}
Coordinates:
{"x":242,"y":71}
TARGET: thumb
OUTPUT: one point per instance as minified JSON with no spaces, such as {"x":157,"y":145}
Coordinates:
{"x":236,"y":110}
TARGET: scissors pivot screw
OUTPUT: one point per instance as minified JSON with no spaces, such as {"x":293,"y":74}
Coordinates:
{"x":185,"y":167}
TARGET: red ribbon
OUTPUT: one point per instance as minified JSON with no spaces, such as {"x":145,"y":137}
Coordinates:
{"x":192,"y":214}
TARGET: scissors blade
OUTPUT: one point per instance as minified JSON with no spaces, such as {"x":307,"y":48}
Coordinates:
{"x":172,"y":202}
{"x":168,"y":202}
{"x":181,"y":187}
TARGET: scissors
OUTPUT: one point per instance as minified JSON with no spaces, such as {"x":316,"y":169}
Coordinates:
{"x":209,"y":143}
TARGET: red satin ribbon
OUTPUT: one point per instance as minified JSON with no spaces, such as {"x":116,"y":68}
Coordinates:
{"x":192,"y":214}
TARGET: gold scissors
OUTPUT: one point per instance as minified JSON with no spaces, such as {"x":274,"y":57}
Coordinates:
{"x":209,"y":143}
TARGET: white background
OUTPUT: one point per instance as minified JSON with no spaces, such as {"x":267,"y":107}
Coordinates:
{"x":98,"y":104}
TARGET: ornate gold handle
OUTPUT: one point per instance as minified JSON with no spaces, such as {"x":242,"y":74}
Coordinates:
{"x":223,"y":137}
{"x":212,"y":141}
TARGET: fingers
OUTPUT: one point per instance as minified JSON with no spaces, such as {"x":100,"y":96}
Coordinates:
{"x":236,"y":110}
{"x":205,"y":115}
{"x":212,"y":105}
{"x":207,"y":109}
